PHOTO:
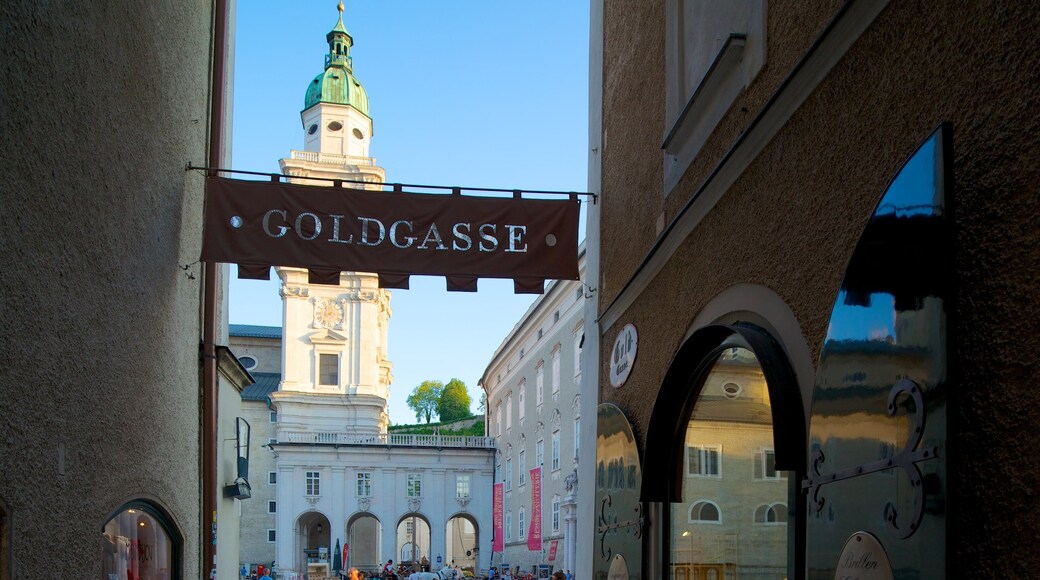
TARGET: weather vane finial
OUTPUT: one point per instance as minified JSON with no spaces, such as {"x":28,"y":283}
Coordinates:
{"x":340,"y":7}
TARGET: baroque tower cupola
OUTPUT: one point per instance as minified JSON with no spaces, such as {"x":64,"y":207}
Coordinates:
{"x":337,"y":125}
{"x":335,"y":370}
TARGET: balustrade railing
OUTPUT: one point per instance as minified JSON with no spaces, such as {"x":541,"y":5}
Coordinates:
{"x":335,"y":159}
{"x":391,"y":440}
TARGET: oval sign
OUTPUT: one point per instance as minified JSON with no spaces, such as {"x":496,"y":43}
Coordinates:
{"x":863,"y":558}
{"x":618,"y":569}
{"x":623,"y":355}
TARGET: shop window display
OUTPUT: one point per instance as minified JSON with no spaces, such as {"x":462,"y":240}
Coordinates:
{"x":731,"y":427}
{"x":138,"y":545}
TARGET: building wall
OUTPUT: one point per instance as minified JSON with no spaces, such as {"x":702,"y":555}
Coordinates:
{"x":790,"y":220}
{"x":555,"y":320}
{"x":256,"y":519}
{"x":232,"y":379}
{"x":100,"y":108}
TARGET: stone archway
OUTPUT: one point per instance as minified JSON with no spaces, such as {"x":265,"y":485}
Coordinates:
{"x":363,"y":533}
{"x":461,"y":541}
{"x":413,"y":538}
{"x":312,"y":546}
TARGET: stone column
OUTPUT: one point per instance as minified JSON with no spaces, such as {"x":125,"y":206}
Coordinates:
{"x":338,"y":517}
{"x":437,"y":508}
{"x":389,"y":494}
{"x":285,"y":536}
{"x":570,"y":531}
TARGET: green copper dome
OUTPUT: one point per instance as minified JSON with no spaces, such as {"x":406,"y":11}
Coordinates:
{"x":337,"y":85}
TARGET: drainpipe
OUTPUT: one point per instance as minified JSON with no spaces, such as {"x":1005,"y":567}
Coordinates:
{"x":210,"y":300}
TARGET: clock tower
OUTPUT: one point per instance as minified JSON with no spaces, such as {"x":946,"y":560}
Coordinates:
{"x":335,"y":372}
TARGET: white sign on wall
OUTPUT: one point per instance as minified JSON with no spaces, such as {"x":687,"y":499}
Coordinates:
{"x":863,"y":558}
{"x":623,"y":355}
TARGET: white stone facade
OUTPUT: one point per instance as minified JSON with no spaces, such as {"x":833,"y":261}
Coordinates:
{"x":533,"y":387}
{"x":324,"y":470}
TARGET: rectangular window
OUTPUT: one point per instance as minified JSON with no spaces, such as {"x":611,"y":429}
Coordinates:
{"x":520,"y":398}
{"x":498,"y":472}
{"x":272,"y":507}
{"x":313,"y":483}
{"x":765,"y":466}
{"x":523,"y":467}
{"x":539,"y":384}
{"x":498,"y":418}
{"x":509,"y":411}
{"x":272,"y":441}
{"x":702,"y":461}
{"x":577,"y":351}
{"x":713,"y":50}
{"x":556,"y":514}
{"x":328,"y":369}
{"x":556,"y":370}
{"x":414,"y":485}
{"x":364,"y":484}
{"x":521,"y":526}
{"x":274,"y":417}
{"x":555,"y":450}
{"x":509,"y":526}
{"x":463,"y":484}
{"x":577,"y":436}
{"x":509,"y":474}
{"x":270,"y":536}
{"x":539,"y":453}
{"x":272,"y":477}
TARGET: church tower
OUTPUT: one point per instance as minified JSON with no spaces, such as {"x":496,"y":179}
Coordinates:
{"x":335,"y":373}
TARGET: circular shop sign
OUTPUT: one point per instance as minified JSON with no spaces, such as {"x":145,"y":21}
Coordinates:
{"x":623,"y":355}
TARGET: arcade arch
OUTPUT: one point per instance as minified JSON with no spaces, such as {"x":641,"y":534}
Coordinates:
{"x":311,"y":542}
{"x":461,"y":541}
{"x":364,"y":531}
{"x":413,"y":538}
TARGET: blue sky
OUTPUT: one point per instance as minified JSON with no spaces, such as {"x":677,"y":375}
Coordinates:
{"x":465,"y":92}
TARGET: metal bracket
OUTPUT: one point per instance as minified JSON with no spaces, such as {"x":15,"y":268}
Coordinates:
{"x":907,"y":460}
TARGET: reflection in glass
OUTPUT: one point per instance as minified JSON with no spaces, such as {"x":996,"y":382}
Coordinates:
{"x":136,"y":545}
{"x":732,"y":522}
{"x":887,"y":328}
{"x":619,"y":479}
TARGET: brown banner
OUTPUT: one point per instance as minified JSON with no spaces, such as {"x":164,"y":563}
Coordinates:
{"x":257,"y":224}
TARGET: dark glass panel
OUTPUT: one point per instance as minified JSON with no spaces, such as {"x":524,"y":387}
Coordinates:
{"x":882,"y":376}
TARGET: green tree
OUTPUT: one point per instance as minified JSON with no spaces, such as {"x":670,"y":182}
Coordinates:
{"x":425,"y":398}
{"x":454,"y":401}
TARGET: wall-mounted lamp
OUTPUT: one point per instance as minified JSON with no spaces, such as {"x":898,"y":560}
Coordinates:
{"x":240,"y":489}
{"x":319,"y":528}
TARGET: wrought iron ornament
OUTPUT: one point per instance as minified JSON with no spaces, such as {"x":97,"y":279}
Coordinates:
{"x":907,"y":460}
{"x":605,"y":525}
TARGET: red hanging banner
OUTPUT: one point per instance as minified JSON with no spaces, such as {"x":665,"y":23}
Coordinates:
{"x":534,"y":536}
{"x":259,"y":224}
{"x":498,"y":544}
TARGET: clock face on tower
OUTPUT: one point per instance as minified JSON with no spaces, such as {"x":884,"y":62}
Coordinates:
{"x":327,"y":313}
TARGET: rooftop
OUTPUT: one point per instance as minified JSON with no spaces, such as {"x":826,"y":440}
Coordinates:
{"x":255,"y":331}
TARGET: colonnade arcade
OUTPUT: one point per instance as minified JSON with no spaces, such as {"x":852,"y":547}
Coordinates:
{"x":367,"y":549}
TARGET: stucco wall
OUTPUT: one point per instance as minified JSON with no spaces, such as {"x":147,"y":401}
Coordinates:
{"x":791,"y":221}
{"x":101,"y":106}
